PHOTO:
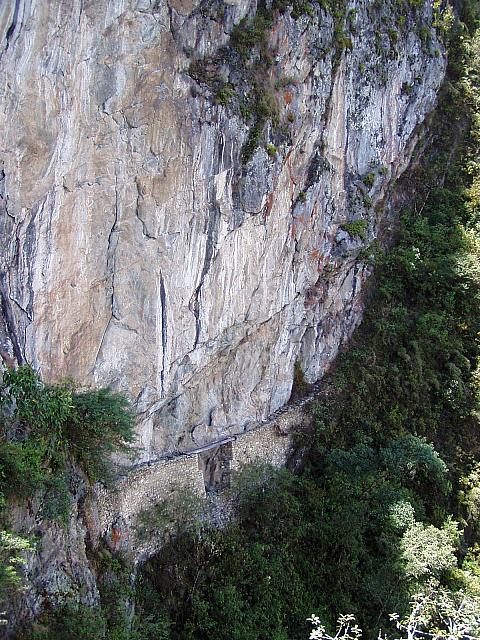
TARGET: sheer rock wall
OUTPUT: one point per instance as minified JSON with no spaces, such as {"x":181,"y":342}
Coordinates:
{"x":141,"y":250}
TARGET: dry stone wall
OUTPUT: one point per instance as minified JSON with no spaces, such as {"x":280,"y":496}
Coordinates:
{"x":142,"y":489}
{"x":266,"y":446}
{"x":201,"y":472}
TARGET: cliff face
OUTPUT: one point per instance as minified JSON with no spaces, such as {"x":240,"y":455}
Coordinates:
{"x":176,"y":203}
{"x":189,"y":194}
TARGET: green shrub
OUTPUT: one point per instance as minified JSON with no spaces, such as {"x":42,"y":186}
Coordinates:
{"x":13,"y":550}
{"x":393,"y":35}
{"x":38,"y":409}
{"x":72,"y":623}
{"x":369,"y":180}
{"x":102,"y":423}
{"x":252,"y":141}
{"x":427,"y":551}
{"x":250,"y":34}
{"x":271,"y":150}
{"x":45,"y":425}
{"x":356,"y":228}
{"x":23,"y":467}
{"x":57,"y":499}
{"x":225,"y":94}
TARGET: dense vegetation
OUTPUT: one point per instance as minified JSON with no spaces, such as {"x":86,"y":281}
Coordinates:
{"x":389,"y":495}
{"x":48,"y":435}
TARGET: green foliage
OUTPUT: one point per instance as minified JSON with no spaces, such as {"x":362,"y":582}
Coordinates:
{"x":39,"y":408}
{"x":44,"y":428}
{"x":57,"y":499}
{"x":13,"y":550}
{"x":369,"y":180}
{"x":250,"y":34}
{"x":45,"y":425}
{"x":393,"y":35}
{"x":428,"y":551}
{"x":356,"y":228}
{"x":371,"y":254}
{"x":349,"y":530}
{"x":271,"y":150}
{"x":250,"y":480}
{"x":469,"y":498}
{"x":417,"y":464}
{"x":78,"y":622}
{"x":435,"y":613}
{"x":252,"y":141}
{"x":22,"y":467}
{"x":248,"y":59}
{"x":116,"y":592}
{"x":263,"y":108}
{"x":240,"y":581}
{"x":225,"y":93}
{"x":401,"y":515}
{"x":101,"y":424}
{"x":71,"y":623}
{"x":302,"y":9}
{"x":441,"y":613}
{"x":33,"y":416}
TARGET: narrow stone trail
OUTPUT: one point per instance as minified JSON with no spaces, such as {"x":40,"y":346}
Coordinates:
{"x":288,"y":408}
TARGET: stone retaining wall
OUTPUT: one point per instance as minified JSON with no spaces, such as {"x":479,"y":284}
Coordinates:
{"x":201,"y":472}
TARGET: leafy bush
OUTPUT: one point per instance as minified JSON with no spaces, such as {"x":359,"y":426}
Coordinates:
{"x":43,"y":425}
{"x":101,"y":424}
{"x":356,"y":228}
{"x":57,"y":499}
{"x":44,"y":428}
{"x":369,"y":180}
{"x":12,"y":556}
{"x":428,"y":551}
{"x":271,"y":150}
{"x":23,"y":469}
{"x":434,"y":613}
{"x":71,"y":623}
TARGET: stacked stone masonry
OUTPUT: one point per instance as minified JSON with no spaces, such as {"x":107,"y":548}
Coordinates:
{"x":150,"y":484}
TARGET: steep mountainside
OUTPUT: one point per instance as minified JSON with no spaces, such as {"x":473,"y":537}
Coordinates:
{"x":189,"y":192}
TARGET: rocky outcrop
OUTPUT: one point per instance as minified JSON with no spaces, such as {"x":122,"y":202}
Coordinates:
{"x":152,"y":240}
{"x":59,"y":569}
